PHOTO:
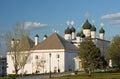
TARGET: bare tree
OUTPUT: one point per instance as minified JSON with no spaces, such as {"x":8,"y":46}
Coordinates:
{"x":18,"y":44}
{"x":40,"y":64}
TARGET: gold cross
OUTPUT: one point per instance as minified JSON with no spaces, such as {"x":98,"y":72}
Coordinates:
{"x":93,"y":21}
{"x":102,"y":24}
{"x":87,"y":14}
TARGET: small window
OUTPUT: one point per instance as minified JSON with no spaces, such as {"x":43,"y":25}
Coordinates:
{"x":36,"y":57}
{"x":58,"y":56}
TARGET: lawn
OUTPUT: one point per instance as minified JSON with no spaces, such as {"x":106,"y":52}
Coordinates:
{"x":94,"y":76}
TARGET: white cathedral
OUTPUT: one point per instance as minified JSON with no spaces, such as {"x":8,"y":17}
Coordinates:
{"x":56,"y":53}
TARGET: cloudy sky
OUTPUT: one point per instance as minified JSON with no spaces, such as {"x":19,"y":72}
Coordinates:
{"x":45,"y":16}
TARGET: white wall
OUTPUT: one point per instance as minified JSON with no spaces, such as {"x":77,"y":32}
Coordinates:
{"x":68,"y":37}
{"x":63,"y":62}
{"x":69,"y":60}
{"x":101,"y":35}
{"x":93,"y":34}
{"x":86,"y":32}
{"x":55,"y":61}
{"x":10,"y":68}
{"x":103,"y":45}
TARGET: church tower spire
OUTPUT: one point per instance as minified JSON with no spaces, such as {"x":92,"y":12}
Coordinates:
{"x":101,"y":31}
{"x":93,"y":30}
{"x":86,"y":27}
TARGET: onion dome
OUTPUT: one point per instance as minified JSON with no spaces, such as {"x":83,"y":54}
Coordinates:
{"x":86,"y":25}
{"x":73,"y":29}
{"x":13,"y":39}
{"x":36,"y":35}
{"x":45,"y":35}
{"x":82,"y":35}
{"x":101,"y":30}
{"x":93,"y":28}
{"x":78,"y":34}
{"x":68,"y":31}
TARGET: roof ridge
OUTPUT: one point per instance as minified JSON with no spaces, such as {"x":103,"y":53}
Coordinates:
{"x":60,"y":40}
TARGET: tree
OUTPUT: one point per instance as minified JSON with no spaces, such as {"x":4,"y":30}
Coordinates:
{"x":90,"y":55}
{"x":113,"y":51}
{"x":19,"y":49}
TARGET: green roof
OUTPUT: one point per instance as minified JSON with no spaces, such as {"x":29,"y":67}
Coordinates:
{"x":68,"y":31}
{"x":36,"y":35}
{"x":102,"y":30}
{"x":80,"y":34}
{"x":93,"y":28}
{"x":45,"y":35}
{"x":86,"y":25}
{"x":73,"y":29}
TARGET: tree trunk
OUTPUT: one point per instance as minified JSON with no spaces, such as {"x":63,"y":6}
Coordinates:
{"x":16,"y":71}
{"x":22,"y":71}
{"x":89,"y":71}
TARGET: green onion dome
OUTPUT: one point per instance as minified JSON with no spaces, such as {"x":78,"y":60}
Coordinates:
{"x":45,"y":35}
{"x":86,"y":25}
{"x":68,"y":31}
{"x":36,"y":35}
{"x":93,"y":28}
{"x":73,"y":29}
{"x":13,"y":39}
{"x":82,"y":35}
{"x":78,"y":34}
{"x":101,"y":30}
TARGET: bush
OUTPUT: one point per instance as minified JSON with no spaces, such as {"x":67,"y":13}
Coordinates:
{"x":76,"y":71}
{"x":12,"y":76}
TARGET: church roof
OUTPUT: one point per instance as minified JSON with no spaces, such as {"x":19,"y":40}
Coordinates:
{"x":68,"y":31}
{"x":24,"y":44}
{"x":93,"y":28}
{"x":55,"y":41}
{"x":73,"y":29}
{"x":102,"y":30}
{"x":82,"y":35}
{"x":86,"y":25}
{"x":36,"y":35}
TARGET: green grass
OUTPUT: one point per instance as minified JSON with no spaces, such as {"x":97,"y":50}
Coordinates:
{"x":93,"y":76}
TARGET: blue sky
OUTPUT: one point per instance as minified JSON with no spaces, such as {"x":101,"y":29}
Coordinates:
{"x":44,"y":16}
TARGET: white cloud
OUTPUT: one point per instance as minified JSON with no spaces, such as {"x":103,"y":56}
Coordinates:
{"x":30,"y":25}
{"x":111,"y":16}
{"x":115,"y":21}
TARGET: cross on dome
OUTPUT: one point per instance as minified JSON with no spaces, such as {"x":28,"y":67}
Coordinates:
{"x":72,"y":23}
{"x":68,"y":23}
{"x":93,"y":21}
{"x":87,"y":14}
{"x":102,"y":24}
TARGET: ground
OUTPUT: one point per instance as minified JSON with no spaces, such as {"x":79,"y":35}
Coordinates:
{"x":94,"y":76}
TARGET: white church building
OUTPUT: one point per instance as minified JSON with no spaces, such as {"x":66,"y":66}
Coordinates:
{"x":88,"y":31}
{"x":60,"y":54}
{"x":53,"y":54}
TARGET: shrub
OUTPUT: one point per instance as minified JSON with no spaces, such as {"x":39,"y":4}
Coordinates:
{"x":76,"y":71}
{"x":12,"y":76}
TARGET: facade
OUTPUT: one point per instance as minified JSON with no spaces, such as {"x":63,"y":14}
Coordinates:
{"x":53,"y":54}
{"x":58,"y":54}
{"x":88,"y":31}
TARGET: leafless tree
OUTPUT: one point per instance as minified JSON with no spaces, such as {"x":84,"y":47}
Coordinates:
{"x":18,"y":47}
{"x":40,"y":64}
